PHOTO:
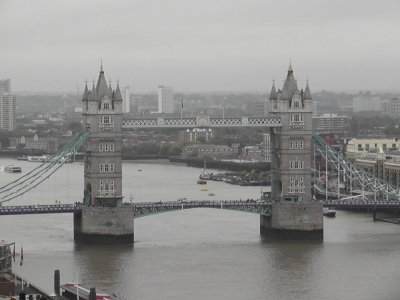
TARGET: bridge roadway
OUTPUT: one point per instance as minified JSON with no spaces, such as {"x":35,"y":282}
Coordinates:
{"x":142,"y":209}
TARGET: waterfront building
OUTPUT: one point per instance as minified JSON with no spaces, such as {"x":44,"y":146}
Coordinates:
{"x":253,"y":153}
{"x":357,"y":148}
{"x":209,"y":151}
{"x":330,"y":123}
{"x":384,"y":165}
{"x":194,"y":135}
{"x":165,"y":100}
{"x":35,"y":144}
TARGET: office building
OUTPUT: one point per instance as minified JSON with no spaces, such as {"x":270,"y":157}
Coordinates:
{"x":165,"y":100}
{"x":391,"y":107}
{"x":330,"y":123}
{"x":127,"y":100}
{"x":8,"y":105}
{"x":5,"y":86}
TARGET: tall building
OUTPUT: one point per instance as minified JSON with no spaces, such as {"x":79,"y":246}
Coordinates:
{"x":127,"y":100}
{"x":5,"y":86}
{"x":8,"y":105}
{"x":165,"y":99}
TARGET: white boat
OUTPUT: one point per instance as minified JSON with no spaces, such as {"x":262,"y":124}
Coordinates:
{"x":205,"y":175}
{"x":329,"y":212}
{"x":12,"y":169}
{"x":42,"y":158}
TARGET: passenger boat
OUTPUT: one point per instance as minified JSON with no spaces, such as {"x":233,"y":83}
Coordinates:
{"x":12,"y":169}
{"x":42,"y":158}
{"x":329,"y":212}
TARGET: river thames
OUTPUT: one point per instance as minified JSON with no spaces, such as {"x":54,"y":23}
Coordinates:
{"x":200,"y":253}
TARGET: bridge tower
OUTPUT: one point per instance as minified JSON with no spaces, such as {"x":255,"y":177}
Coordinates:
{"x":294,"y":213}
{"x":104,"y":218}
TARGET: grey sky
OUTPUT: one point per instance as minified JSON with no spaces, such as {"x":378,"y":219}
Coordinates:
{"x":207,"y":45}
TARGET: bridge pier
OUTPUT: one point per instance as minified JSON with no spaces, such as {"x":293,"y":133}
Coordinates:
{"x":293,"y":221}
{"x":104,"y":225}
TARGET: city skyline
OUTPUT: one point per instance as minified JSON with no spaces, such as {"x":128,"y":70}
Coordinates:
{"x":200,"y":46}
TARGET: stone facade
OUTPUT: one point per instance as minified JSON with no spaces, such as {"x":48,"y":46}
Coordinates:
{"x":291,"y":149}
{"x":103,"y":217}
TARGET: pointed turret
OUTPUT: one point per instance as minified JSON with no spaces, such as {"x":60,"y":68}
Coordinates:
{"x":273,"y":95}
{"x":307,"y":94}
{"x":117,"y":95}
{"x":290,"y":86}
{"x":102,"y":88}
{"x":85,"y":92}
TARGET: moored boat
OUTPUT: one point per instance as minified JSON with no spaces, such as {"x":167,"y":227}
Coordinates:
{"x":329,"y":212}
{"x":12,"y":169}
{"x":42,"y":158}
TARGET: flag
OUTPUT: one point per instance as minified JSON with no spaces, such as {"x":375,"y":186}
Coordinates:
{"x":21,"y":257}
{"x":13,"y":255}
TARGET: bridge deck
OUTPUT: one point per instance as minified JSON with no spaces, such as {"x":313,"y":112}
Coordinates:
{"x":147,"y":208}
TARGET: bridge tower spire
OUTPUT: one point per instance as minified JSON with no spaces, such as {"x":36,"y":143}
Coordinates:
{"x":294,"y":215}
{"x":103,"y":216}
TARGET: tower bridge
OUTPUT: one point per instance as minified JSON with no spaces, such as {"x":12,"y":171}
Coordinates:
{"x":292,"y":213}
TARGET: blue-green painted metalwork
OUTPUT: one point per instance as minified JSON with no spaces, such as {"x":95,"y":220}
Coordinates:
{"x":150,"y":208}
{"x":35,"y":177}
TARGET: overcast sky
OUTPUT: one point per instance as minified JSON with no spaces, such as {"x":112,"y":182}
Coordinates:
{"x":202,"y":45}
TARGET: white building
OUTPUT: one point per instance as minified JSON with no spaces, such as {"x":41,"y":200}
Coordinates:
{"x":127,"y":100}
{"x":165,"y":99}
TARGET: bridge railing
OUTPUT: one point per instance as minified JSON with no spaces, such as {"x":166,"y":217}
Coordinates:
{"x":42,"y":172}
{"x":354,"y":174}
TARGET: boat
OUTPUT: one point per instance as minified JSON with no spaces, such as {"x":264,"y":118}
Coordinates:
{"x":205,"y":175}
{"x":204,"y":190}
{"x":201,"y":181}
{"x":211,"y":194}
{"x":42,"y":158}
{"x":23,"y":157}
{"x":329,"y":212}
{"x":12,"y":169}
